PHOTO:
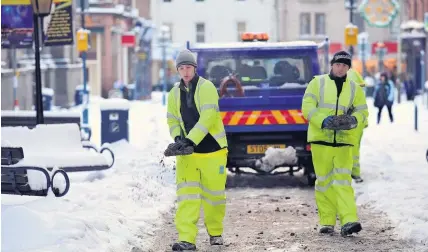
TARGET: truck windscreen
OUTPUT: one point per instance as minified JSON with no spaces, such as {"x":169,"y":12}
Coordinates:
{"x":274,"y":71}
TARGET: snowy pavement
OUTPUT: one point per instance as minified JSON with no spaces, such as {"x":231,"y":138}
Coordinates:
{"x":113,"y":210}
{"x":395,"y":170}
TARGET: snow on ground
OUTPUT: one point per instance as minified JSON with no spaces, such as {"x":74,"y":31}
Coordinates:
{"x":395,"y":170}
{"x":112,"y":210}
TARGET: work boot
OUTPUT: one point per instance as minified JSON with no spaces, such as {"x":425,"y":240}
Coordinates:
{"x":216,"y":240}
{"x":327,"y":230}
{"x":183,"y":246}
{"x":357,"y":179}
{"x":350,"y":228}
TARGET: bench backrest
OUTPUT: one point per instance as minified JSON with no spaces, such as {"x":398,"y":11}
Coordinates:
{"x":44,"y":138}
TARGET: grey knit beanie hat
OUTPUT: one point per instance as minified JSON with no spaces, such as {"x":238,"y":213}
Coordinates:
{"x":185,"y":57}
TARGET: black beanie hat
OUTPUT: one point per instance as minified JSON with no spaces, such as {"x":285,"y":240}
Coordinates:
{"x":342,"y":57}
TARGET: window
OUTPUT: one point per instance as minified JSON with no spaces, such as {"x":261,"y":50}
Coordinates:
{"x":305,"y":23}
{"x":241,"y":27}
{"x":320,"y":24}
{"x":279,"y":70}
{"x":200,"y":32}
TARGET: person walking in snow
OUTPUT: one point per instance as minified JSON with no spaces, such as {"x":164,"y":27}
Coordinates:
{"x":200,"y":145}
{"x":336,"y":109}
{"x":384,"y":96}
{"x":356,"y":171}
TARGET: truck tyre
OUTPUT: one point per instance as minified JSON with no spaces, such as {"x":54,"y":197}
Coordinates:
{"x":311,"y":178}
{"x":310,"y":173}
{"x":426,"y":155}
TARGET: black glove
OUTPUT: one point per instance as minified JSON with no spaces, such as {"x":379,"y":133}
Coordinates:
{"x":177,"y":138}
{"x":182,"y":147}
{"x":342,"y":122}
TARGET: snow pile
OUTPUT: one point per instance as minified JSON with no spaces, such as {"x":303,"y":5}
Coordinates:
{"x":112,"y":210}
{"x":395,"y":170}
{"x":275,"y":156}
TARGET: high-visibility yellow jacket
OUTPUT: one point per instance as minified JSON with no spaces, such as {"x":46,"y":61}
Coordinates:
{"x":357,"y":78}
{"x":210,"y":121}
{"x":320,"y":100}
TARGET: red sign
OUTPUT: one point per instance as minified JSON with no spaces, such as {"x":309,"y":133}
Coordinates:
{"x":391,"y":47}
{"x":128,"y":40}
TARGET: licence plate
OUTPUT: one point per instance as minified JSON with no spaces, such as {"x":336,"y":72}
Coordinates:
{"x":261,"y":149}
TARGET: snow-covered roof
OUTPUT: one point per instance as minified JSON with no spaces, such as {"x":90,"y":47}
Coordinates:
{"x":248,"y":45}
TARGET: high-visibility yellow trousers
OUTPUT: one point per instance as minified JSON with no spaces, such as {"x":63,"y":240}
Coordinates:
{"x":356,"y":156}
{"x":201,"y":179}
{"x":334,"y":194}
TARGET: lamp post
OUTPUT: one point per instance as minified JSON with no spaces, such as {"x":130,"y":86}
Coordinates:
{"x":381,"y":51}
{"x":41,"y":9}
{"x":164,"y":38}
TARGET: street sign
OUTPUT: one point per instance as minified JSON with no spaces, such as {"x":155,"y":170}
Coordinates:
{"x":379,"y":13}
{"x":351,"y":35}
{"x":128,"y":39}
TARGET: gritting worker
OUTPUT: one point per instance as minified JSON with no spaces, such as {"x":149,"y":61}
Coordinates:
{"x":356,"y":171}
{"x":201,"y":148}
{"x":336,"y":109}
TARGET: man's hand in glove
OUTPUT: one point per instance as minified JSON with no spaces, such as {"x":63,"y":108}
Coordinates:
{"x":328,"y":122}
{"x":346,"y":122}
{"x":180,"y":147}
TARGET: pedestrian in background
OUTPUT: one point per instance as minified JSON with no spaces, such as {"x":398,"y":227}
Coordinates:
{"x":384,"y":96}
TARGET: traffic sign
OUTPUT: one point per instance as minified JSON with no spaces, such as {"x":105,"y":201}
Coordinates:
{"x":351,"y":35}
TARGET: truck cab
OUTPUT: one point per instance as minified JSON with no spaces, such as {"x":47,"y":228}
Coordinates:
{"x":261,"y":85}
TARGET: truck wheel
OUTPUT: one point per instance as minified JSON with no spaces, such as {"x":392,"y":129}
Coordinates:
{"x":427,"y":156}
{"x":311,"y":178}
{"x":310,"y":173}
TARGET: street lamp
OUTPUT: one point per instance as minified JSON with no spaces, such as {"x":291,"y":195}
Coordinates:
{"x":164,"y":39}
{"x":381,"y":51}
{"x":41,"y":9}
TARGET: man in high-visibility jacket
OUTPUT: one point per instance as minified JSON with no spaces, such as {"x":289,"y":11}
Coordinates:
{"x":200,"y":145}
{"x":356,"y":171}
{"x":336,"y":109}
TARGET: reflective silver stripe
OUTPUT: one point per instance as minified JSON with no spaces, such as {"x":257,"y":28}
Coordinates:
{"x":177,"y":98}
{"x":213,"y":203}
{"x":171,"y":129}
{"x":311,"y":113}
{"x":171,"y":116}
{"x":322,"y":104}
{"x":200,"y":83}
{"x":333,"y":172}
{"x":356,"y":165}
{"x":352,"y":98}
{"x":360,"y":107}
{"x":197,"y":196}
{"x":322,"y":87}
{"x":355,"y":157}
{"x":333,"y":182}
{"x":309,"y":95}
{"x":188,"y":197}
{"x":220,"y":135}
{"x":197,"y":184}
{"x":202,"y":128}
{"x":209,"y":106}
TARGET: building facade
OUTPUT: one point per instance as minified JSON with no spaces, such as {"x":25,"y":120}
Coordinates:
{"x":318,"y":19}
{"x":211,"y":21}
